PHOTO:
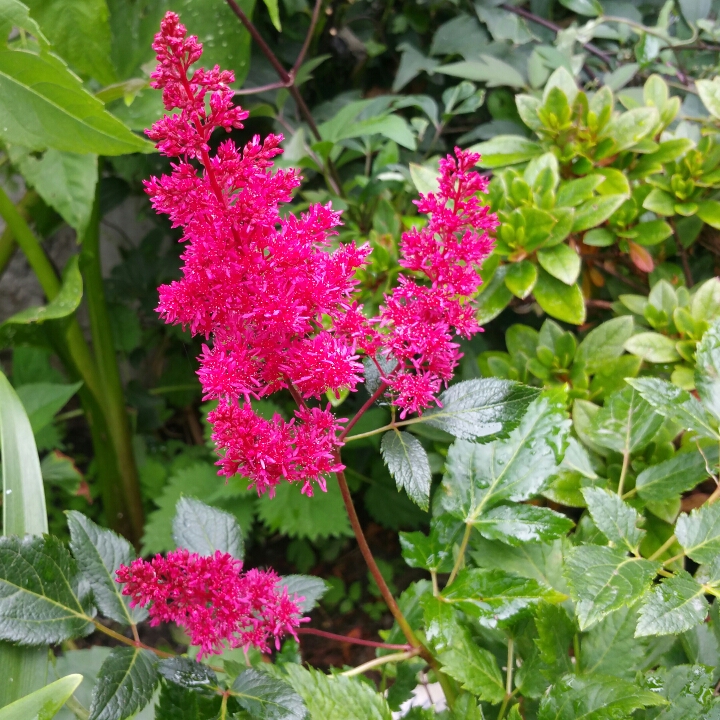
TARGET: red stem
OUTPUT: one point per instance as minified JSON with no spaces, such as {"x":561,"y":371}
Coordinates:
{"x":363,"y":410}
{"x":347,"y":639}
{"x":308,"y":37}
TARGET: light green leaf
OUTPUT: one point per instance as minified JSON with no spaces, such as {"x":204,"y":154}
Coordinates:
{"x":605,"y":342}
{"x":561,"y":261}
{"x":630,"y":127}
{"x":14,"y":14}
{"x":267,"y":697}
{"x":572,"y":193}
{"x":660,"y":202}
{"x":485,"y":69}
{"x":562,"y":79}
{"x":699,"y":533}
{"x":274,"y":10}
{"x":125,"y":684}
{"x":187,"y":673}
{"x":425,"y":179}
{"x":707,"y":370}
{"x":528,"y":107}
{"x":617,"y":520}
{"x":42,"y":104}
{"x":596,"y":211}
{"x":43,"y":704}
{"x":669,"y":479}
{"x":480,"y":408}
{"x":43,"y":400}
{"x":42,"y":598}
{"x":99,"y":553}
{"x":675,"y":605}
{"x":204,"y":530}
{"x":506,"y":150}
{"x":561,"y":301}
{"x":709,"y":91}
{"x":393,"y":127}
{"x":408,"y":463}
{"x":706,"y":300}
{"x":591,"y":8}
{"x":520,"y":278}
{"x":518,"y":524}
{"x":652,"y":232}
{"x":604,"y":579}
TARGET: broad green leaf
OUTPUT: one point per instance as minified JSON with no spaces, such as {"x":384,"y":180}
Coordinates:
{"x":204,"y":530}
{"x":393,"y":127}
{"x":336,"y":697}
{"x":44,"y":105}
{"x":604,"y":579}
{"x":527,"y":107}
{"x":617,"y":520}
{"x":495,"y":597}
{"x":611,"y":648}
{"x":555,"y":636}
{"x":706,"y":300}
{"x":561,"y":301}
{"x":688,"y":688}
{"x":518,"y":524}
{"x":14,"y":14}
{"x":583,"y":7}
{"x":187,"y":673}
{"x":43,"y":704}
{"x":307,"y":588}
{"x":572,"y":193}
{"x":125,"y":684}
{"x":506,"y":150}
{"x":709,"y":212}
{"x":562,"y":79}
{"x":65,"y":181}
{"x":480,"y":408}
{"x":626,"y":423}
{"x":520,"y":278}
{"x":425,"y":179}
{"x":179,"y":703}
{"x":596,"y":211}
{"x":709,"y":91}
{"x":433,"y":551}
{"x":653,"y":347}
{"x":408,"y":463}
{"x":494,"y":297}
{"x":675,"y":605}
{"x":699,"y":533}
{"x":630,"y":127}
{"x":267,"y":697}
{"x":595,"y":697}
{"x":479,"y":477}
{"x":660,"y":202}
{"x":79,"y":33}
{"x":99,"y":553}
{"x":707,"y":370}
{"x":677,"y":404}
{"x":43,"y":400}
{"x":562,"y":262}
{"x":669,"y":479}
{"x":652,"y":232}
{"x":42,"y":598}
{"x":605,"y":342}
{"x":485,"y":69}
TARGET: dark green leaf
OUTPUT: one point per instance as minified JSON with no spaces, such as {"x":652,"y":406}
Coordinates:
{"x":125,"y":684}
{"x":204,"y":530}
{"x":187,"y":673}
{"x":434,"y":551}
{"x":617,"y":520}
{"x":561,"y":301}
{"x":494,"y":297}
{"x":707,"y":370}
{"x":99,"y":553}
{"x":310,"y":588}
{"x":520,"y":278}
{"x":267,"y":697}
{"x":408,"y":463}
{"x":178,"y":703}
{"x":43,"y":704}
{"x":699,"y":533}
{"x":671,"y":478}
{"x":518,"y":524}
{"x":43,"y":400}
{"x":480,"y":408}
{"x":42,"y":599}
{"x":675,"y":605}
{"x":555,"y":636}
{"x":689,"y":690}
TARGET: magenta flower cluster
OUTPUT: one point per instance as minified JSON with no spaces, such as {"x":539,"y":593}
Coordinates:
{"x":276,"y":296}
{"x":213,"y":600}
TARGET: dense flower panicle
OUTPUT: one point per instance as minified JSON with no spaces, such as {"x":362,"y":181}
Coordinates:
{"x":213,"y":600}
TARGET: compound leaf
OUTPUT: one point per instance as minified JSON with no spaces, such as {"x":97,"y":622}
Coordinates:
{"x":675,"y":605}
{"x":203,"y":529}
{"x":408,"y":463}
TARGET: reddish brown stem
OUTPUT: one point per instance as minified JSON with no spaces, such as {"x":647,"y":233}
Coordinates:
{"x":261,"y":88}
{"x":354,"y":641}
{"x":308,"y":37}
{"x":363,"y":409}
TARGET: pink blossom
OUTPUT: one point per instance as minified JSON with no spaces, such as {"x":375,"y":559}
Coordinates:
{"x":213,"y":600}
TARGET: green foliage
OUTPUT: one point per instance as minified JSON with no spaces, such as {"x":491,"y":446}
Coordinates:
{"x":44,"y":703}
{"x":205,"y":530}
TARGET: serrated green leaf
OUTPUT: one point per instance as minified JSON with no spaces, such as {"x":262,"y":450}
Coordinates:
{"x":433,"y":551}
{"x":611,"y":648}
{"x":603,"y":579}
{"x":617,"y":520}
{"x":707,"y":370}
{"x":561,"y":261}
{"x":555,"y":636}
{"x":187,"y":673}
{"x":626,"y":423}
{"x":178,"y":703}
{"x":480,"y":408}
{"x":267,"y":697}
{"x":43,"y":704}
{"x":496,"y":597}
{"x":99,"y":553}
{"x":14,"y":14}
{"x":338,"y":697}
{"x":518,"y":524}
{"x":204,"y":530}
{"x":561,"y":301}
{"x":653,"y":347}
{"x":675,"y":605}
{"x":605,"y":342}
{"x":307,"y":587}
{"x":42,"y":599}
{"x":408,"y":463}
{"x":689,"y":690}
{"x":669,"y":479}
{"x":125,"y":685}
{"x":699,"y":533}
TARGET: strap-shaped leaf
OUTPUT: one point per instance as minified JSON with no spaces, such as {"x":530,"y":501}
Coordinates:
{"x":699,"y":533}
{"x":99,"y":553}
{"x":125,"y":684}
{"x":408,"y":463}
{"x":481,"y":408}
{"x":675,"y":605}
{"x":204,"y":530}
{"x":669,"y":479}
{"x":44,"y":703}
{"x":615,"y":518}
{"x":518,"y":524}
{"x":42,"y":598}
{"x":267,"y":697}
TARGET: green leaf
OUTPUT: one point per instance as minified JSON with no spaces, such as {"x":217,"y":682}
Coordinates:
{"x":611,"y":648}
{"x":572,"y":193}
{"x":669,"y":479}
{"x":494,"y":297}
{"x":626,"y":423}
{"x":480,"y":408}
{"x":675,"y":403}
{"x":43,"y":400}
{"x":336,"y":697}
{"x":178,"y":703}
{"x":591,"y":8}
{"x":434,"y":551}
{"x":709,"y":91}
{"x":393,"y":127}
{"x":518,"y":524}
{"x":65,"y":181}
{"x":653,"y":347}
{"x":42,"y":598}
{"x":187,"y":673}
{"x":307,"y":587}
{"x":43,"y":704}
{"x":561,"y":301}
{"x":596,"y":697}
{"x":707,"y":370}
{"x":604,"y":579}
{"x":204,"y":530}
{"x":44,"y":105}
{"x":505,"y":150}
{"x":485,"y":69}
{"x":424,"y":178}
{"x":14,"y":14}
{"x":99,"y":553}
{"x":706,"y":300}
{"x":274,"y":10}
{"x":689,"y":689}
{"x":267,"y":697}
{"x":495,"y":597}
{"x":479,"y":477}
{"x":617,"y":520}
{"x":125,"y":684}
{"x":652,"y":232}
{"x":562,"y":262}
{"x":408,"y":463}
{"x":555,"y":635}
{"x":675,"y":605}
{"x":596,"y":211}
{"x":699,"y":533}
{"x":660,"y":202}
{"x":520,"y":278}
{"x":605,"y":342}
{"x":628,"y":128}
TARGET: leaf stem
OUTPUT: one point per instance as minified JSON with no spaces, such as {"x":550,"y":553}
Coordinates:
{"x":368,"y":404}
{"x":508,"y":679}
{"x":623,"y":472}
{"x":354,"y":641}
{"x":663,"y":548}
{"x":461,"y":554}
{"x":377,"y":662}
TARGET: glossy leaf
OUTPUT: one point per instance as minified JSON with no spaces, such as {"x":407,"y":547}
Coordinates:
{"x":707,"y":370}
{"x":408,"y":463}
{"x":562,"y":262}
{"x":611,"y":648}
{"x":653,"y":347}
{"x":669,"y":479}
{"x":596,"y":211}
{"x":675,"y":605}
{"x":267,"y":697}
{"x":433,"y":551}
{"x":605,"y":342}
{"x":203,"y":529}
{"x":518,"y":524}
{"x":561,"y":301}
{"x":699,"y":533}
{"x":187,"y":673}
{"x":617,"y":520}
